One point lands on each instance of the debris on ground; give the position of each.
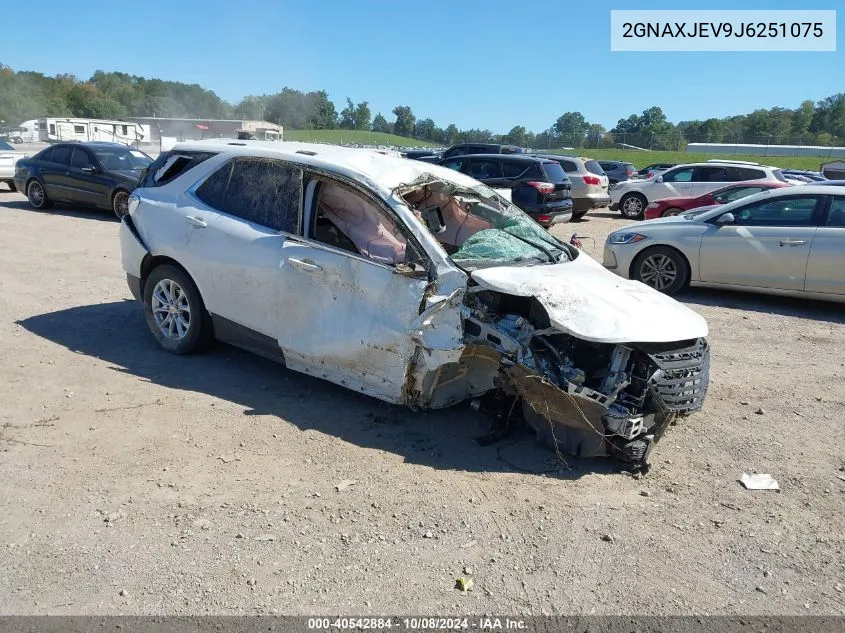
(760, 411)
(464, 584)
(343, 485)
(607, 538)
(468, 544)
(759, 481)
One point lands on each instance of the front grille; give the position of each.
(680, 383)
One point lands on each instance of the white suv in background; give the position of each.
(589, 183)
(694, 179)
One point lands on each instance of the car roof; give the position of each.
(381, 172)
(528, 158)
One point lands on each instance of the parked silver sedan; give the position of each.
(787, 241)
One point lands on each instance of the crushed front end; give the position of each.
(586, 398)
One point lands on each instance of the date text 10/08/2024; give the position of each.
(417, 624)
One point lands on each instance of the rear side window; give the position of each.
(608, 166)
(258, 190)
(746, 173)
(514, 169)
(712, 174)
(554, 172)
(46, 155)
(568, 166)
(593, 167)
(836, 215)
(61, 155)
(171, 165)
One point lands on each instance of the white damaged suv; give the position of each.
(409, 282)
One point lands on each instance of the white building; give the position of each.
(766, 150)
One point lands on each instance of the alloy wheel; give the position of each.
(658, 271)
(171, 309)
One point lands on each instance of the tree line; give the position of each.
(26, 95)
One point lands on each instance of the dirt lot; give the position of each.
(139, 482)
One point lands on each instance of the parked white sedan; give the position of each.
(9, 157)
(409, 282)
(783, 241)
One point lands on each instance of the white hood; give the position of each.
(587, 301)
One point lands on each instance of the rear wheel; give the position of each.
(633, 206)
(175, 311)
(671, 211)
(120, 204)
(36, 195)
(663, 268)
(578, 216)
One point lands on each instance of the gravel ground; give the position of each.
(142, 483)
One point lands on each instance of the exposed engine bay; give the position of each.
(583, 398)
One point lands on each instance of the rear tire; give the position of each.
(37, 196)
(632, 206)
(175, 312)
(663, 268)
(671, 211)
(577, 217)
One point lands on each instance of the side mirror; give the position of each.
(658, 179)
(726, 218)
(415, 269)
(433, 218)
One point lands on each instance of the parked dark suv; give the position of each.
(617, 170)
(94, 174)
(464, 149)
(539, 186)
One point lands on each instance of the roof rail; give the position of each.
(736, 162)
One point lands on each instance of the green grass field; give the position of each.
(362, 137)
(641, 159)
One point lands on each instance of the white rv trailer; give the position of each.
(52, 130)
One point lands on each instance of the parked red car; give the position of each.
(674, 206)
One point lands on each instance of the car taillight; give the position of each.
(541, 187)
(591, 180)
(649, 174)
(630, 172)
(544, 218)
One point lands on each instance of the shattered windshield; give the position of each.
(479, 228)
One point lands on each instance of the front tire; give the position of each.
(633, 206)
(175, 312)
(37, 196)
(120, 204)
(663, 268)
(671, 211)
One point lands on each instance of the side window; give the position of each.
(790, 211)
(679, 175)
(568, 166)
(836, 217)
(514, 169)
(46, 155)
(735, 194)
(265, 192)
(453, 164)
(61, 155)
(79, 129)
(53, 129)
(348, 220)
(484, 169)
(711, 174)
(451, 152)
(213, 191)
(80, 158)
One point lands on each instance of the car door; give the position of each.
(239, 217)
(85, 178)
(53, 173)
(709, 178)
(767, 246)
(675, 183)
(349, 310)
(826, 267)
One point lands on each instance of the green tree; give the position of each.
(405, 120)
(347, 116)
(380, 124)
(362, 116)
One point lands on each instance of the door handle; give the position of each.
(792, 242)
(197, 222)
(304, 265)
